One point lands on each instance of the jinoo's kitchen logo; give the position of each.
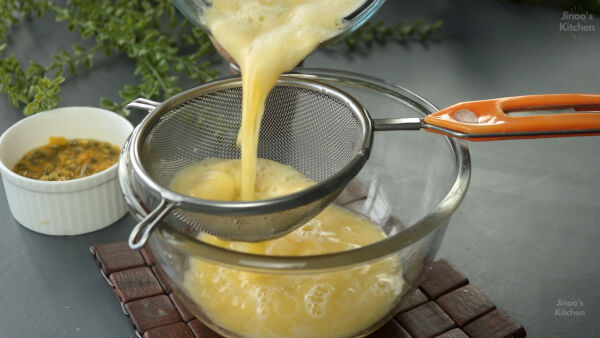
(569, 308)
(576, 21)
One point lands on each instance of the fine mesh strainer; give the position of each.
(318, 129)
(312, 127)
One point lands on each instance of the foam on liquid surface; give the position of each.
(335, 304)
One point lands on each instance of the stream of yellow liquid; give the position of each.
(249, 304)
(267, 38)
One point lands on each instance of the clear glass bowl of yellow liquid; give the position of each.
(346, 272)
(194, 9)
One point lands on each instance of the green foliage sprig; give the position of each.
(164, 46)
(379, 32)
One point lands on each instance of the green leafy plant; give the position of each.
(164, 46)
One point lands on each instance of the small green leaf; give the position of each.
(162, 66)
(72, 67)
(78, 49)
(88, 62)
(87, 33)
(108, 104)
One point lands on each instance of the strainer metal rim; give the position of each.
(436, 218)
(242, 208)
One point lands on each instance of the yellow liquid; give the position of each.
(335, 304)
(267, 38)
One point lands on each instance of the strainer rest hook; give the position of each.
(141, 232)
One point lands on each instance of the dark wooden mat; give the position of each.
(445, 305)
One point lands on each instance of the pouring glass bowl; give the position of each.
(410, 195)
(193, 9)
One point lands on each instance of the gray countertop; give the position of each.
(527, 233)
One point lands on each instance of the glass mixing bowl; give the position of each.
(193, 9)
(410, 186)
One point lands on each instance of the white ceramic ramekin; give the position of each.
(63, 207)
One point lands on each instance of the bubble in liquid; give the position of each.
(315, 310)
(263, 301)
(386, 285)
(262, 310)
(311, 229)
(221, 282)
(315, 299)
(262, 292)
(380, 288)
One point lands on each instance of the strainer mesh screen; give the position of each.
(316, 133)
(311, 131)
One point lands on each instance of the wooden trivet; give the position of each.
(445, 305)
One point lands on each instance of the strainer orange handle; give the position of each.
(488, 120)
